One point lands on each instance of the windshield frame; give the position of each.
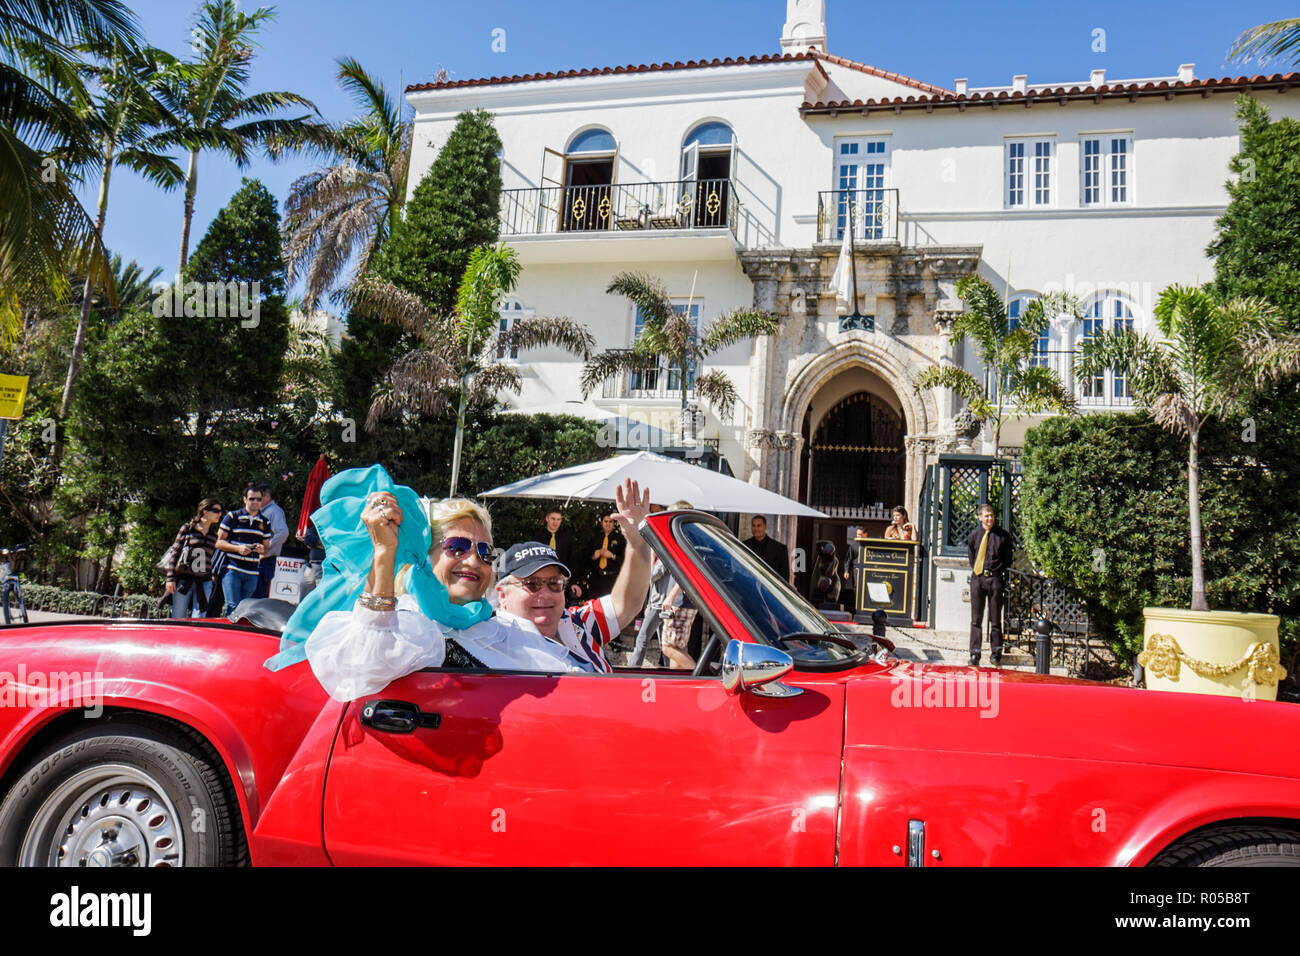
(793, 602)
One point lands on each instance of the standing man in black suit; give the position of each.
(849, 593)
(774, 553)
(561, 542)
(604, 558)
(989, 550)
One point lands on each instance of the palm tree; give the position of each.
(349, 208)
(212, 110)
(1216, 358)
(123, 115)
(671, 337)
(1267, 41)
(456, 352)
(44, 231)
(1007, 349)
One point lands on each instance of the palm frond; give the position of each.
(385, 301)
(955, 379)
(1267, 40)
(1038, 389)
(549, 332)
(603, 366)
(736, 326)
(715, 387)
(647, 294)
(492, 381)
(417, 382)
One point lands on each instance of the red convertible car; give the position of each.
(139, 743)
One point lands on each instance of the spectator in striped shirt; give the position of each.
(244, 536)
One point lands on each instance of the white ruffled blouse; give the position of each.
(359, 652)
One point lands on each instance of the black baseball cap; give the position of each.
(521, 560)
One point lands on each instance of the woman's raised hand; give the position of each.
(382, 516)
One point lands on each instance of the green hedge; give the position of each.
(1118, 483)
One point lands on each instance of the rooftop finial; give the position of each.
(805, 26)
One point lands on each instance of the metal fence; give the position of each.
(681, 204)
(873, 213)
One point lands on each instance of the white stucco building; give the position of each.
(732, 181)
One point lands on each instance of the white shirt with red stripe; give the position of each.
(585, 630)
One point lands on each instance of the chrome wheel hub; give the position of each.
(110, 815)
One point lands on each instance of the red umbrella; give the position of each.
(311, 500)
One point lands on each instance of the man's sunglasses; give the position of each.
(458, 547)
(534, 585)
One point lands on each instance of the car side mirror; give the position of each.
(757, 668)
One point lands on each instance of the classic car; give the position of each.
(142, 743)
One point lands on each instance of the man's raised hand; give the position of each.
(633, 505)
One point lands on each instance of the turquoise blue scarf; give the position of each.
(349, 552)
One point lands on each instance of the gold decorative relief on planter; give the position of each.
(1163, 658)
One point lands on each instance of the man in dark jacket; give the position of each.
(989, 551)
(774, 553)
(560, 540)
(604, 557)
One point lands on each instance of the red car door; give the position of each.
(641, 767)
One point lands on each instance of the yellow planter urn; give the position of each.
(1211, 652)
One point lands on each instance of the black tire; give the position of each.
(122, 792)
(1234, 846)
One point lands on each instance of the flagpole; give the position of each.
(853, 260)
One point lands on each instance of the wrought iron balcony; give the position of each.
(685, 204)
(1103, 391)
(660, 382)
(873, 213)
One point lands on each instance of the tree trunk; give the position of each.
(460, 435)
(79, 343)
(191, 187)
(1199, 602)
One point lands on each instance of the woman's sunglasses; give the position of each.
(458, 547)
(216, 508)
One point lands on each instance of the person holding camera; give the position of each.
(244, 536)
(189, 573)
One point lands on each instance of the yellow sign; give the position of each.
(13, 394)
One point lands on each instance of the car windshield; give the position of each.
(774, 613)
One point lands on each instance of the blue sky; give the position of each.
(407, 41)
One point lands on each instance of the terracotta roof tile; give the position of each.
(630, 68)
(876, 71)
(947, 98)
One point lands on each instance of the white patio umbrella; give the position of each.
(669, 480)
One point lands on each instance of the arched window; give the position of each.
(1015, 308)
(1106, 312)
(510, 312)
(590, 161)
(708, 162)
(593, 141)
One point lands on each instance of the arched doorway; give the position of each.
(856, 463)
(853, 468)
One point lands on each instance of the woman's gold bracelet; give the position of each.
(376, 603)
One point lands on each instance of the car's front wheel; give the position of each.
(124, 792)
(1234, 846)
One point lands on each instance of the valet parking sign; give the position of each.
(13, 395)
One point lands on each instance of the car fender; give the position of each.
(1225, 798)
